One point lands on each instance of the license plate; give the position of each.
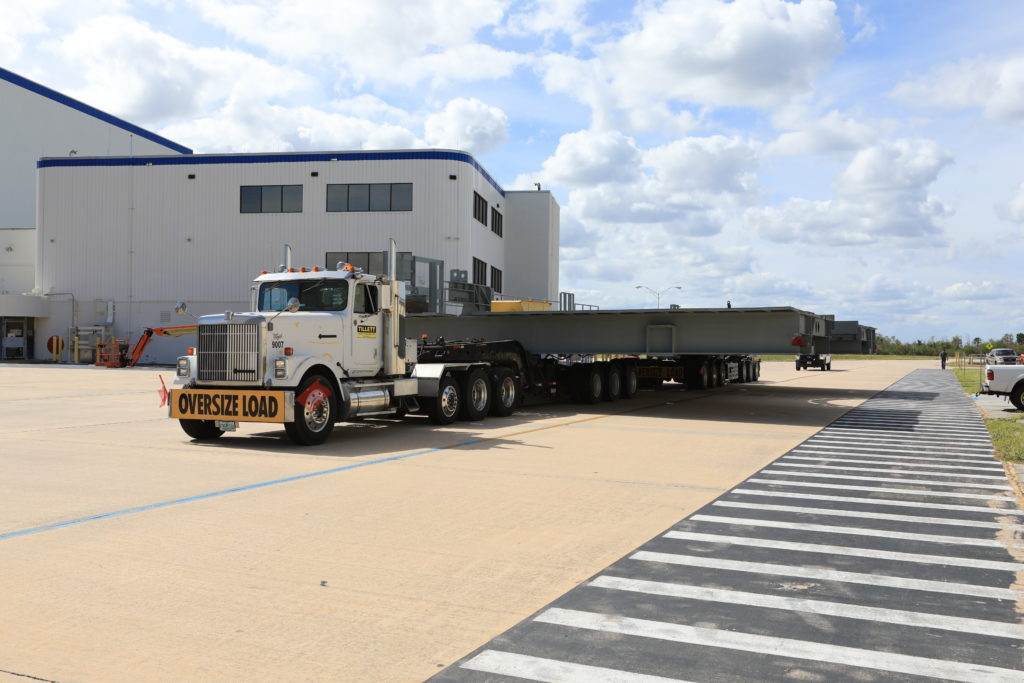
(232, 405)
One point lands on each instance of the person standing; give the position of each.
(942, 358)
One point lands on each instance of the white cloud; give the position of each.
(833, 132)
(28, 21)
(1013, 210)
(393, 41)
(764, 288)
(971, 291)
(994, 85)
(881, 195)
(151, 77)
(744, 53)
(467, 124)
(587, 158)
(549, 17)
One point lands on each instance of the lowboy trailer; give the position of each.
(323, 346)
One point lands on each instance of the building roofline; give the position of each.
(272, 158)
(51, 94)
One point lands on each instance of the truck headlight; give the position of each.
(280, 368)
(184, 369)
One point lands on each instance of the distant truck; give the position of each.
(323, 346)
(1005, 380)
(1001, 357)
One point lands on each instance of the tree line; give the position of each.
(932, 347)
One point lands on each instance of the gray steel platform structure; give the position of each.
(652, 332)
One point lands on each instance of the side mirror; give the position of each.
(293, 305)
(180, 308)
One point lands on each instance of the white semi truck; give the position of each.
(323, 346)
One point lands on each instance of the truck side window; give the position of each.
(366, 299)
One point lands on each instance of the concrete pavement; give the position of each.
(129, 552)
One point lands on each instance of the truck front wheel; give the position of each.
(316, 407)
(1017, 396)
(201, 430)
(444, 408)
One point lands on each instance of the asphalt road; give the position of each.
(128, 552)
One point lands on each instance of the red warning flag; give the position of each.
(162, 392)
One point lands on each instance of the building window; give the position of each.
(271, 199)
(479, 272)
(496, 222)
(370, 197)
(495, 279)
(479, 208)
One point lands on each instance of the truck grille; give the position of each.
(229, 352)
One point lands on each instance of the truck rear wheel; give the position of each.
(476, 394)
(613, 382)
(590, 383)
(630, 380)
(506, 392)
(444, 408)
(1017, 396)
(316, 407)
(201, 430)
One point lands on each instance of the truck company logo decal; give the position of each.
(239, 406)
(366, 330)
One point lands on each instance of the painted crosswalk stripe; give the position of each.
(837, 432)
(866, 426)
(894, 471)
(821, 607)
(880, 489)
(778, 647)
(860, 514)
(805, 572)
(882, 502)
(895, 463)
(893, 480)
(815, 449)
(852, 531)
(846, 550)
(553, 670)
(873, 449)
(940, 446)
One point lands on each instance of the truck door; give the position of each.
(366, 330)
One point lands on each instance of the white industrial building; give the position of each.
(129, 236)
(36, 122)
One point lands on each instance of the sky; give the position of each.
(860, 158)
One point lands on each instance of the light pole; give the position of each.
(658, 294)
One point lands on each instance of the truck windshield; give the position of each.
(313, 295)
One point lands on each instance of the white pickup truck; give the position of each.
(1005, 380)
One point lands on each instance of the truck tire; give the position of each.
(1017, 396)
(315, 415)
(613, 381)
(201, 430)
(756, 365)
(590, 383)
(506, 392)
(630, 380)
(444, 408)
(743, 372)
(476, 395)
(719, 374)
(798, 367)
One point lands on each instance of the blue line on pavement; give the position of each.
(217, 494)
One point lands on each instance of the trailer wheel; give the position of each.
(201, 430)
(590, 383)
(798, 367)
(719, 374)
(316, 408)
(506, 392)
(756, 366)
(630, 380)
(1017, 396)
(444, 408)
(476, 395)
(613, 383)
(829, 366)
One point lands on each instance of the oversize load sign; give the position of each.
(230, 404)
